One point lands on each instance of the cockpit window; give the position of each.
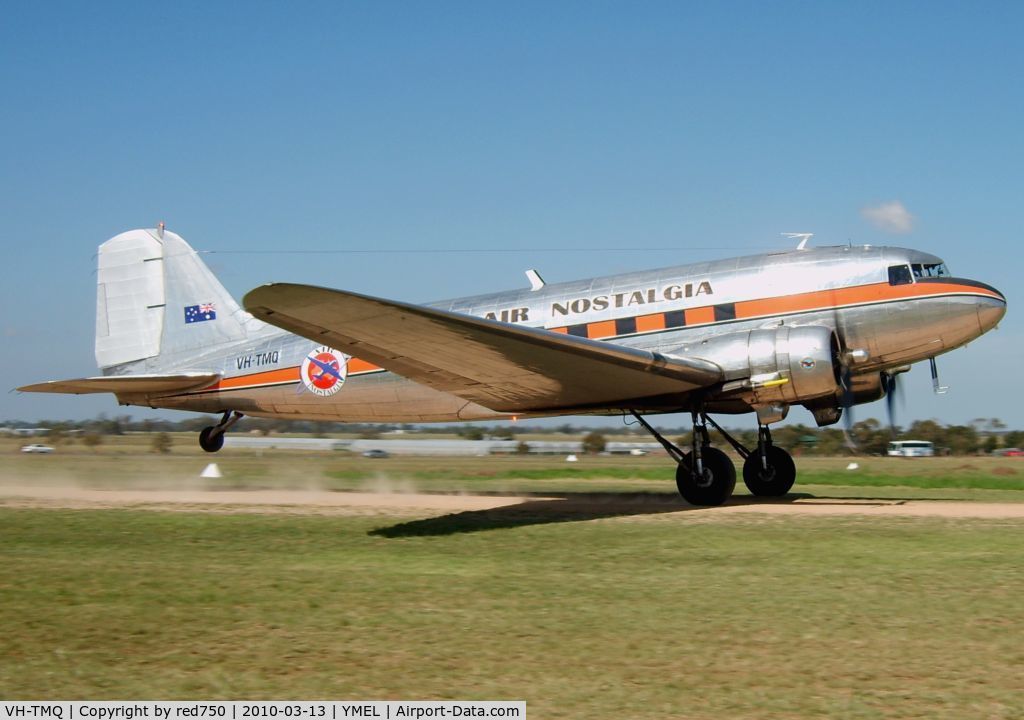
(900, 275)
(933, 270)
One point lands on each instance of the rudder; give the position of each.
(158, 302)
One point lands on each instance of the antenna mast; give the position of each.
(804, 237)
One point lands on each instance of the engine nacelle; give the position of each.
(864, 389)
(783, 364)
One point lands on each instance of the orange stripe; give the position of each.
(272, 377)
(261, 378)
(563, 330)
(919, 289)
(355, 365)
(854, 295)
(649, 323)
(876, 292)
(598, 330)
(699, 316)
(776, 306)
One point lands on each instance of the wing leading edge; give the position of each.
(504, 367)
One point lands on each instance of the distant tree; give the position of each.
(983, 425)
(870, 437)
(92, 440)
(472, 432)
(195, 424)
(594, 443)
(746, 437)
(151, 425)
(787, 436)
(523, 448)
(991, 443)
(926, 430)
(831, 441)
(56, 436)
(502, 433)
(1013, 439)
(369, 434)
(115, 426)
(961, 439)
(161, 443)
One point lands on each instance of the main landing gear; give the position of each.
(706, 475)
(769, 471)
(211, 439)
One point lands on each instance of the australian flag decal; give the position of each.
(199, 313)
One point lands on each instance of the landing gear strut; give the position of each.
(706, 475)
(211, 439)
(769, 471)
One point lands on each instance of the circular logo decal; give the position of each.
(807, 363)
(324, 371)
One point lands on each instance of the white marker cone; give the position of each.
(211, 471)
(571, 458)
(852, 466)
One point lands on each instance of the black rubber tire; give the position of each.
(717, 484)
(780, 476)
(209, 441)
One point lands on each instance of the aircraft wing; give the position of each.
(126, 384)
(504, 367)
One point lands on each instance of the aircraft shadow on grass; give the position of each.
(569, 507)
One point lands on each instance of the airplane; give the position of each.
(826, 328)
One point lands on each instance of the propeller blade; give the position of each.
(846, 382)
(890, 383)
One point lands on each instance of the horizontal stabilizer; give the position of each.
(127, 384)
(504, 367)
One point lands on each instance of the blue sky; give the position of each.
(589, 128)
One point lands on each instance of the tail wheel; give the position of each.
(210, 440)
(774, 478)
(712, 487)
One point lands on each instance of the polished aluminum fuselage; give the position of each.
(845, 289)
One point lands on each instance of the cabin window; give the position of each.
(932, 270)
(900, 275)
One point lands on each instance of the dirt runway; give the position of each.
(362, 503)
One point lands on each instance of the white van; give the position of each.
(911, 448)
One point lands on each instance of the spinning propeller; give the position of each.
(847, 401)
(845, 360)
(889, 380)
(893, 389)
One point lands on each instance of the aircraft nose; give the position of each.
(991, 310)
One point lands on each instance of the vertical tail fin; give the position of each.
(129, 299)
(156, 298)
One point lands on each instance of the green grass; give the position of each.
(583, 616)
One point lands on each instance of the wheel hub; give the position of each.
(704, 479)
